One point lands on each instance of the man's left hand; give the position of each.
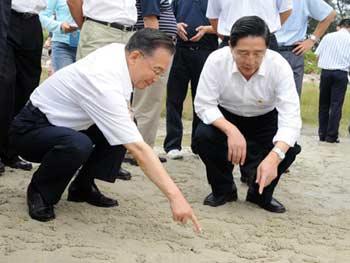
(267, 171)
(303, 47)
(201, 31)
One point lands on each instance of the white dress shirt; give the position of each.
(94, 90)
(113, 11)
(334, 51)
(271, 87)
(28, 6)
(229, 11)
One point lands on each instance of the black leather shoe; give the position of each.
(162, 159)
(329, 140)
(123, 174)
(274, 206)
(215, 201)
(92, 196)
(37, 207)
(2, 167)
(17, 163)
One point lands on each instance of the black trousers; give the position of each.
(20, 72)
(187, 67)
(332, 93)
(5, 9)
(62, 151)
(273, 45)
(211, 144)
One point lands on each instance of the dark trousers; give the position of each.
(20, 72)
(5, 9)
(332, 93)
(273, 45)
(187, 67)
(259, 131)
(62, 151)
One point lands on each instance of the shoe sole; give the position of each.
(229, 200)
(256, 203)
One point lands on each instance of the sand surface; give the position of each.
(316, 227)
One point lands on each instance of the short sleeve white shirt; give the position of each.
(94, 90)
(228, 12)
(222, 84)
(113, 11)
(28, 6)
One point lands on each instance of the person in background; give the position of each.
(20, 69)
(250, 116)
(224, 13)
(333, 55)
(56, 18)
(292, 44)
(196, 39)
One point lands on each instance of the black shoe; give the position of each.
(2, 167)
(123, 174)
(322, 139)
(92, 196)
(274, 206)
(329, 140)
(38, 208)
(215, 201)
(17, 163)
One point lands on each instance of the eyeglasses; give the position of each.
(158, 71)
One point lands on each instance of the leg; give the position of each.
(338, 90)
(324, 104)
(62, 55)
(176, 93)
(211, 145)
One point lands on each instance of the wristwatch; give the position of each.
(314, 38)
(279, 152)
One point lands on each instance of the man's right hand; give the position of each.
(182, 212)
(181, 31)
(237, 147)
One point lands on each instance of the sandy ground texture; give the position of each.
(316, 227)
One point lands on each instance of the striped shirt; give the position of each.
(334, 51)
(160, 8)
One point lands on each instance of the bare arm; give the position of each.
(214, 24)
(284, 16)
(151, 22)
(76, 10)
(321, 28)
(151, 166)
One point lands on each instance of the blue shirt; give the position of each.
(160, 8)
(294, 29)
(193, 13)
(51, 18)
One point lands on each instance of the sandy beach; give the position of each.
(316, 227)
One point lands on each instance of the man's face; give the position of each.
(145, 69)
(249, 53)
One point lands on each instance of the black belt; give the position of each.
(287, 48)
(114, 25)
(23, 15)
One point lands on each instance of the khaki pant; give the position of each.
(94, 35)
(147, 105)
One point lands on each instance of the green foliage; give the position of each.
(311, 63)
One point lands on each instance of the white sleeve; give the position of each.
(109, 111)
(288, 106)
(213, 9)
(208, 92)
(284, 5)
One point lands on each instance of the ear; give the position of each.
(133, 56)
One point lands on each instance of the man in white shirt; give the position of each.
(250, 116)
(78, 120)
(334, 59)
(20, 70)
(224, 13)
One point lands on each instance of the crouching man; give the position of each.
(250, 113)
(79, 118)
